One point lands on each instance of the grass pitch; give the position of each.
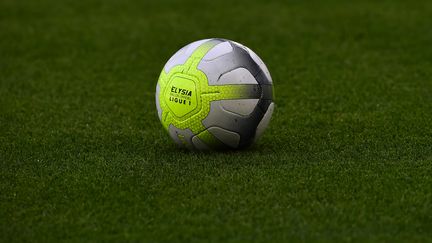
(347, 156)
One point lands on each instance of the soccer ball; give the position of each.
(214, 94)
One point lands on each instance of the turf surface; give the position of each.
(348, 155)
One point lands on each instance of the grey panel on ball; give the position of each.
(260, 63)
(258, 60)
(242, 107)
(264, 122)
(245, 126)
(239, 57)
(159, 110)
(181, 137)
(199, 144)
(229, 138)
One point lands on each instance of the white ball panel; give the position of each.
(264, 122)
(177, 59)
(242, 107)
(159, 110)
(219, 50)
(182, 55)
(237, 76)
(193, 46)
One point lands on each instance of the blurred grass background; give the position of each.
(347, 156)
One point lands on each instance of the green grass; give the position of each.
(347, 157)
